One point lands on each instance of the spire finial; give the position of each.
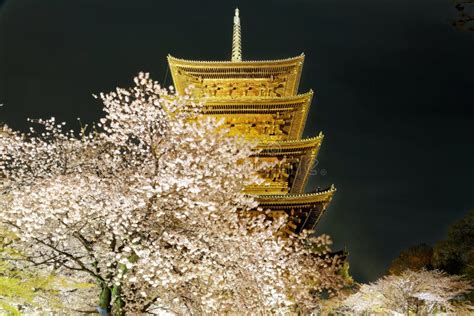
(236, 38)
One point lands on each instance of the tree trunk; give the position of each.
(111, 302)
(104, 301)
(118, 303)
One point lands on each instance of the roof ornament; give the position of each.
(236, 38)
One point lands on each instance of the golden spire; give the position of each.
(236, 38)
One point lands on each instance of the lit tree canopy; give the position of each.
(149, 204)
(26, 289)
(412, 293)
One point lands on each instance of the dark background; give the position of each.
(393, 80)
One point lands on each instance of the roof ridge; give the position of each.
(301, 56)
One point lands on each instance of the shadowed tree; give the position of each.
(455, 254)
(465, 17)
(415, 258)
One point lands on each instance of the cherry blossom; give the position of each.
(149, 204)
(412, 293)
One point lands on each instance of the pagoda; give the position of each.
(259, 100)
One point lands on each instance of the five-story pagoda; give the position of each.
(259, 100)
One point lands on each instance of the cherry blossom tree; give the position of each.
(412, 293)
(149, 204)
(25, 289)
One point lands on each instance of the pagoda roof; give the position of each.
(286, 147)
(302, 200)
(297, 105)
(304, 210)
(230, 63)
(304, 150)
(284, 73)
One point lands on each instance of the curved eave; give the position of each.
(298, 105)
(187, 72)
(307, 209)
(307, 143)
(306, 149)
(296, 200)
(230, 64)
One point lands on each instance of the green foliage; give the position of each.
(344, 272)
(23, 288)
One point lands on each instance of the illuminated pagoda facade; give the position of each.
(260, 101)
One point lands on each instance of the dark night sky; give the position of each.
(394, 90)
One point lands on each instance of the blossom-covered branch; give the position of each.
(150, 204)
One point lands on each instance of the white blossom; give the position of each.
(412, 292)
(150, 201)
